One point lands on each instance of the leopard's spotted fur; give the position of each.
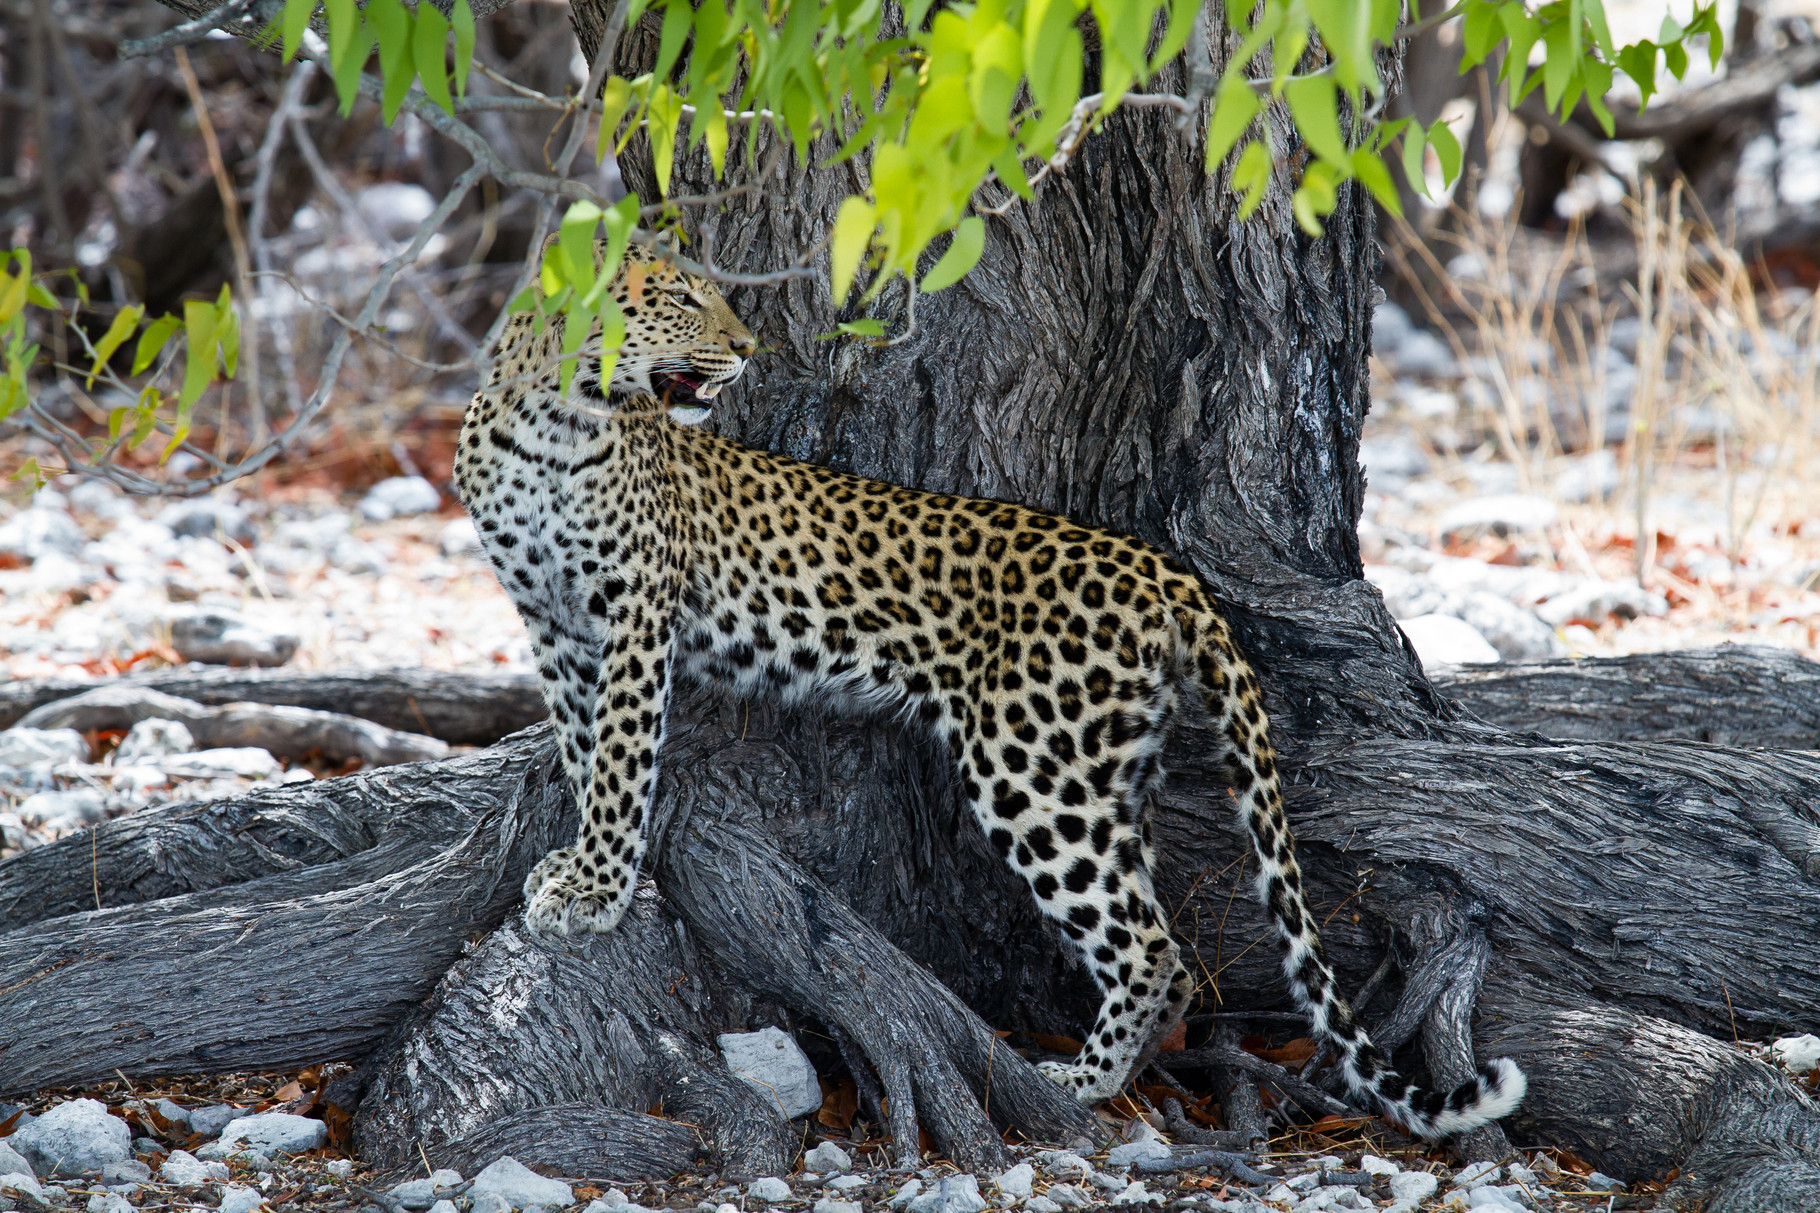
(1043, 653)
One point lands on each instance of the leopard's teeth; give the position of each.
(708, 391)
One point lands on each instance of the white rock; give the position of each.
(1522, 1176)
(235, 1199)
(1595, 600)
(101, 499)
(905, 1194)
(771, 1061)
(1600, 1182)
(846, 1183)
(1135, 1194)
(18, 1183)
(1069, 1196)
(1517, 633)
(340, 1168)
(127, 1170)
(1475, 1174)
(460, 538)
(1041, 1204)
(1065, 1164)
(109, 1202)
(210, 1120)
(64, 810)
(1413, 1186)
(184, 1170)
(490, 1202)
(520, 1185)
(769, 1189)
(27, 747)
(239, 762)
(1390, 325)
(828, 1157)
(76, 1136)
(12, 1162)
(174, 1112)
(1798, 1053)
(950, 1194)
(1497, 1200)
(1391, 459)
(421, 1193)
(828, 1204)
(273, 1132)
(1371, 1164)
(1422, 353)
(224, 638)
(1501, 514)
(1105, 1181)
(152, 739)
(1588, 477)
(394, 209)
(1444, 640)
(1136, 1152)
(39, 532)
(400, 497)
(1017, 1181)
(443, 1206)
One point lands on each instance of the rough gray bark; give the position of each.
(463, 708)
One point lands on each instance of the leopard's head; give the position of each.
(683, 343)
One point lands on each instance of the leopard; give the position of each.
(1046, 657)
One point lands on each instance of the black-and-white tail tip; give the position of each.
(1494, 1092)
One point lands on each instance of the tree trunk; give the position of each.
(1129, 354)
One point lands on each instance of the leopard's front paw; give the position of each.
(1086, 1083)
(564, 901)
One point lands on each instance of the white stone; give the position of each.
(109, 1202)
(274, 1132)
(238, 762)
(235, 1199)
(1136, 1152)
(443, 1206)
(1413, 1186)
(846, 1183)
(393, 209)
(460, 538)
(173, 1112)
(224, 638)
(125, 1171)
(152, 739)
(64, 810)
(210, 1120)
(1392, 459)
(1065, 1164)
(828, 1204)
(21, 1183)
(1017, 1181)
(520, 1185)
(1390, 325)
(75, 1136)
(1595, 600)
(208, 518)
(1588, 477)
(1498, 1200)
(340, 1168)
(1600, 1182)
(184, 1170)
(400, 497)
(1517, 633)
(906, 1194)
(12, 1162)
(1069, 1196)
(1135, 1194)
(27, 747)
(950, 1194)
(1475, 1174)
(490, 1202)
(1371, 1164)
(1444, 640)
(1041, 1204)
(1423, 353)
(36, 533)
(828, 1157)
(1797, 1053)
(421, 1193)
(772, 1062)
(769, 1189)
(1105, 1181)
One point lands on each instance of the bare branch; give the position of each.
(234, 11)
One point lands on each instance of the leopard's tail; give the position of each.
(1233, 701)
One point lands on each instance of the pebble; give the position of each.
(40, 532)
(240, 762)
(208, 518)
(1413, 1186)
(1371, 1164)
(1444, 640)
(12, 1162)
(340, 1168)
(772, 1063)
(421, 1193)
(63, 811)
(127, 1170)
(1136, 1152)
(75, 1136)
(1136, 1194)
(274, 1132)
(846, 1183)
(109, 1202)
(210, 1120)
(225, 638)
(22, 1183)
(1474, 1174)
(29, 747)
(1065, 1164)
(399, 497)
(490, 1202)
(443, 1206)
(769, 1189)
(173, 1112)
(828, 1204)
(1041, 1204)
(235, 1199)
(828, 1157)
(185, 1170)
(1497, 1200)
(520, 1186)
(1500, 514)
(1600, 1182)
(1595, 600)
(1106, 1182)
(950, 1194)
(1017, 1181)
(905, 1194)
(1070, 1196)
(148, 741)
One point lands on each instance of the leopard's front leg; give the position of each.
(587, 887)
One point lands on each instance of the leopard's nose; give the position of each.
(745, 347)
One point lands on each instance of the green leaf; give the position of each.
(1597, 75)
(429, 48)
(853, 225)
(662, 114)
(227, 330)
(855, 328)
(350, 41)
(1447, 150)
(297, 14)
(1345, 27)
(38, 296)
(461, 19)
(962, 255)
(620, 220)
(1561, 66)
(391, 25)
(1480, 33)
(575, 242)
(1251, 177)
(678, 18)
(151, 342)
(200, 359)
(1234, 107)
(126, 322)
(1368, 167)
(615, 100)
(1415, 163)
(1315, 106)
(1639, 63)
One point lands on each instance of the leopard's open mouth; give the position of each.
(686, 391)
